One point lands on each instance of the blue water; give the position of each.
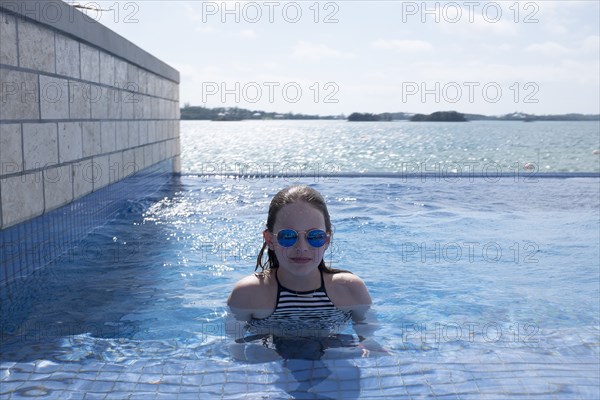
(482, 286)
(316, 147)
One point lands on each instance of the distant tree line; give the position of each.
(516, 116)
(440, 116)
(454, 116)
(356, 116)
(238, 114)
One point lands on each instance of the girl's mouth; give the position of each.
(300, 260)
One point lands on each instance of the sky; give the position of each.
(339, 57)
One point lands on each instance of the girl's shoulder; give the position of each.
(346, 279)
(347, 288)
(255, 288)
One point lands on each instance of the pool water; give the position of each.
(482, 288)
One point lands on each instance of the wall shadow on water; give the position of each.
(89, 289)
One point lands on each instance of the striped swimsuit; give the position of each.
(302, 313)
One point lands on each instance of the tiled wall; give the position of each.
(81, 108)
(30, 245)
(75, 117)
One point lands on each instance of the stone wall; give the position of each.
(81, 108)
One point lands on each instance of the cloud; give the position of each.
(480, 24)
(403, 45)
(548, 49)
(317, 51)
(556, 29)
(591, 44)
(205, 29)
(248, 34)
(588, 46)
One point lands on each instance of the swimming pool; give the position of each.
(484, 287)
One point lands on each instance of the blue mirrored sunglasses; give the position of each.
(289, 237)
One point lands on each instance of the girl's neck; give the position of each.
(306, 284)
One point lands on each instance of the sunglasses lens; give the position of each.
(287, 237)
(316, 238)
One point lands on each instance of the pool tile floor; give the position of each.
(401, 376)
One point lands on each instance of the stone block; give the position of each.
(22, 198)
(115, 167)
(129, 165)
(133, 77)
(162, 151)
(128, 100)
(36, 47)
(107, 69)
(54, 98)
(58, 187)
(90, 63)
(138, 153)
(105, 103)
(122, 133)
(79, 100)
(99, 102)
(159, 130)
(11, 149)
(170, 146)
(171, 129)
(67, 57)
(167, 109)
(173, 151)
(174, 94)
(143, 132)
(70, 146)
(177, 127)
(163, 86)
(155, 108)
(120, 73)
(138, 111)
(20, 95)
(156, 153)
(147, 107)
(92, 139)
(108, 131)
(176, 112)
(133, 133)
(101, 172)
(143, 81)
(40, 145)
(151, 83)
(82, 175)
(168, 88)
(168, 129)
(114, 103)
(148, 155)
(8, 38)
(151, 131)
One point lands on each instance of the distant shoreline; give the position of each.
(196, 113)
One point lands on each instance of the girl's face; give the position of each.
(301, 259)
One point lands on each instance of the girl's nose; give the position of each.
(302, 243)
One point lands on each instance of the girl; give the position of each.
(294, 293)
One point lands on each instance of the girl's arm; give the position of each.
(240, 299)
(251, 297)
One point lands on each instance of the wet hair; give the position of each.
(290, 195)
